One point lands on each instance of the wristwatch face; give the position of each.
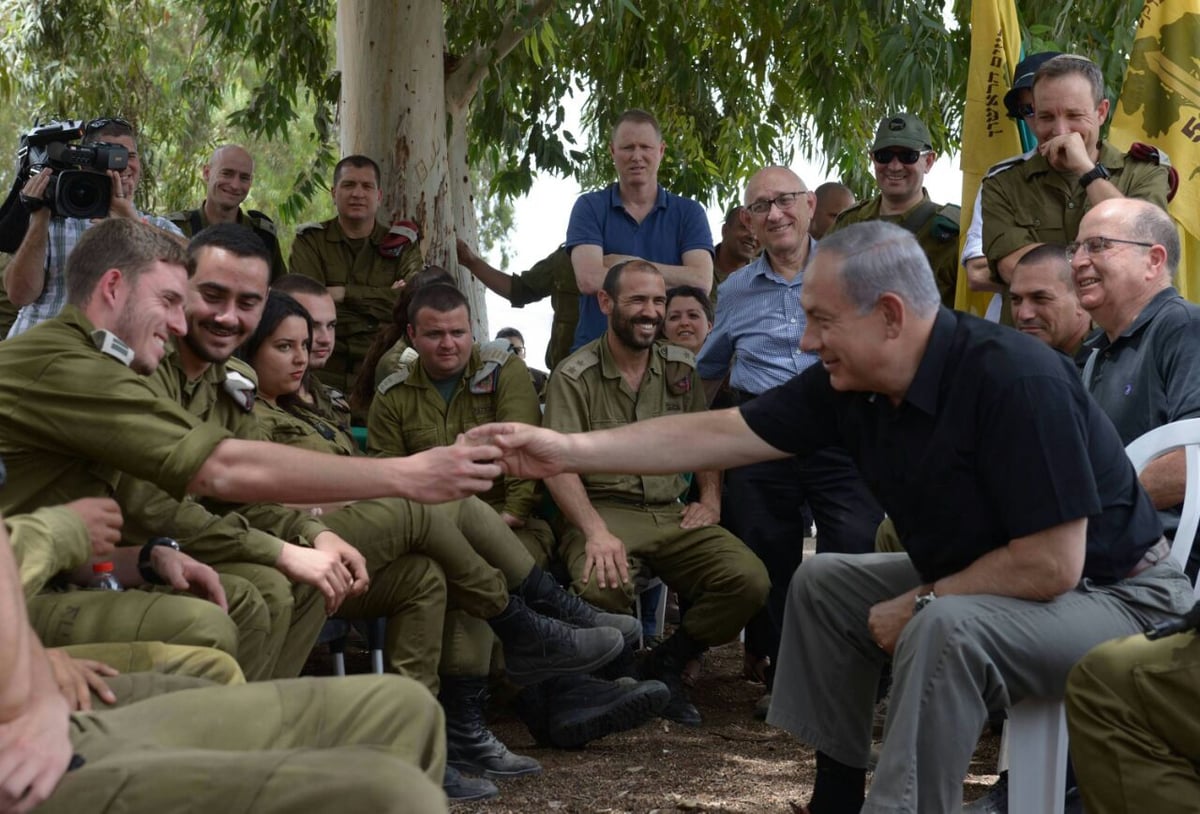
(923, 600)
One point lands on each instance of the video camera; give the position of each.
(80, 186)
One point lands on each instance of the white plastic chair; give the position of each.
(1037, 727)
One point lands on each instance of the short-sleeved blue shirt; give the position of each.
(675, 225)
(996, 439)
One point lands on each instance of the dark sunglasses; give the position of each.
(886, 155)
(96, 125)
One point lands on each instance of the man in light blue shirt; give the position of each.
(756, 340)
(635, 218)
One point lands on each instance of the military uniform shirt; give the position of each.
(73, 417)
(588, 392)
(192, 221)
(1029, 202)
(411, 416)
(553, 277)
(938, 237)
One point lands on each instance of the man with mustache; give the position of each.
(623, 377)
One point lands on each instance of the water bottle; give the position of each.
(103, 578)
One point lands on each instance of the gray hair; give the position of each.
(878, 258)
(1152, 225)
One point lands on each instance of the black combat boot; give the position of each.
(464, 789)
(666, 663)
(470, 745)
(543, 594)
(537, 648)
(573, 711)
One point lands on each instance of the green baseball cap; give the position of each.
(902, 130)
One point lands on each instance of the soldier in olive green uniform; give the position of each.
(553, 276)
(1135, 742)
(1042, 196)
(360, 260)
(409, 414)
(228, 176)
(902, 154)
(642, 517)
(1026, 202)
(191, 221)
(76, 418)
(53, 540)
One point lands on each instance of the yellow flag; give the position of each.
(1160, 105)
(989, 136)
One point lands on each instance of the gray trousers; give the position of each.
(958, 659)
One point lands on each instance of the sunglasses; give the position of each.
(96, 125)
(886, 155)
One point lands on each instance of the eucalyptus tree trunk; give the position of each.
(393, 109)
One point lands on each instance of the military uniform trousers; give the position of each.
(1135, 737)
(723, 581)
(151, 659)
(956, 661)
(297, 613)
(152, 615)
(361, 743)
(420, 564)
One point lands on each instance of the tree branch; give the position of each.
(463, 80)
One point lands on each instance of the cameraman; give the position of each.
(34, 278)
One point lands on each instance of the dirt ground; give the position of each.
(732, 763)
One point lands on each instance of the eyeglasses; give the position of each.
(519, 351)
(1095, 245)
(95, 125)
(1024, 111)
(784, 202)
(885, 155)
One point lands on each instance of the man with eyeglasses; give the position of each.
(634, 219)
(756, 340)
(1143, 368)
(901, 155)
(34, 278)
(1043, 198)
(516, 344)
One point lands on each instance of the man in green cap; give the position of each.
(901, 155)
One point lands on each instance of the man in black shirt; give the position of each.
(1028, 537)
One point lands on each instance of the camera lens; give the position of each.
(83, 194)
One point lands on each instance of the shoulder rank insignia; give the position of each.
(494, 355)
(402, 234)
(241, 389)
(311, 226)
(111, 345)
(680, 365)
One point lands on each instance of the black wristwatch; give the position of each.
(1098, 171)
(144, 567)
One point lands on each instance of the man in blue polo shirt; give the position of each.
(633, 219)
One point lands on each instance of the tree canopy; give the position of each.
(735, 84)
